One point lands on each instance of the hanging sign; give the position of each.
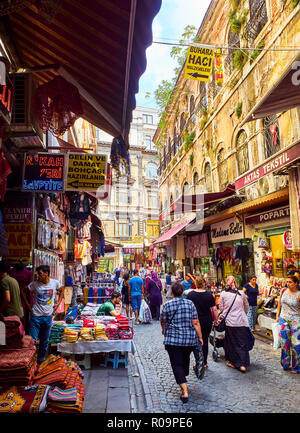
(227, 230)
(20, 241)
(86, 172)
(218, 62)
(287, 239)
(199, 64)
(268, 215)
(43, 172)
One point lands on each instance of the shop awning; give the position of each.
(283, 96)
(193, 202)
(172, 232)
(98, 45)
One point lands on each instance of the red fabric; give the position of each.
(57, 105)
(23, 399)
(274, 132)
(5, 170)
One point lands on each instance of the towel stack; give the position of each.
(99, 332)
(86, 334)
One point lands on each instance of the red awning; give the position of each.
(97, 45)
(172, 232)
(193, 202)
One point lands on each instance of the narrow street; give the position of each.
(222, 390)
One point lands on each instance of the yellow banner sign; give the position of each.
(199, 64)
(86, 172)
(20, 241)
(219, 73)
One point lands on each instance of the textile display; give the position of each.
(24, 399)
(196, 246)
(294, 192)
(89, 347)
(18, 366)
(180, 255)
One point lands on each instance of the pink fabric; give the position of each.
(172, 232)
(237, 315)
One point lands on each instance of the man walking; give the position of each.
(136, 294)
(10, 298)
(44, 290)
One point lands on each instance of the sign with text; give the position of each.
(227, 230)
(20, 241)
(199, 64)
(86, 172)
(280, 160)
(43, 172)
(268, 216)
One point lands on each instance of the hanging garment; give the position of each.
(180, 255)
(80, 249)
(82, 208)
(5, 170)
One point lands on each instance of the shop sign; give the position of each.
(268, 216)
(43, 172)
(6, 100)
(199, 64)
(227, 230)
(18, 214)
(283, 158)
(287, 239)
(86, 172)
(20, 242)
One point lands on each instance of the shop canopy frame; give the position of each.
(97, 45)
(172, 232)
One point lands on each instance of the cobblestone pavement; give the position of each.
(265, 388)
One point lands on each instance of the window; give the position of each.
(196, 184)
(258, 19)
(151, 170)
(175, 141)
(271, 135)
(202, 97)
(123, 197)
(148, 118)
(185, 189)
(233, 42)
(122, 229)
(148, 141)
(222, 170)
(182, 122)
(152, 200)
(207, 177)
(242, 152)
(192, 105)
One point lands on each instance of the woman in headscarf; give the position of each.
(155, 297)
(237, 325)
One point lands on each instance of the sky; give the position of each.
(169, 23)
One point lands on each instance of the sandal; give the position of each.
(230, 365)
(242, 369)
(184, 399)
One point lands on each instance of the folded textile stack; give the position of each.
(86, 334)
(105, 319)
(14, 330)
(23, 399)
(112, 331)
(18, 366)
(89, 310)
(126, 334)
(99, 332)
(56, 333)
(69, 335)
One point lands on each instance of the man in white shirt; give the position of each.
(44, 290)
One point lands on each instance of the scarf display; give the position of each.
(24, 399)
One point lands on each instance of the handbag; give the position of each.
(222, 325)
(250, 339)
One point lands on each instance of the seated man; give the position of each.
(108, 307)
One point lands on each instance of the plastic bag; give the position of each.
(276, 335)
(145, 313)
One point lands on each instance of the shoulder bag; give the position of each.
(221, 326)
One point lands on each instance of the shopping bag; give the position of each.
(145, 313)
(276, 335)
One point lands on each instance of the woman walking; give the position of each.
(181, 329)
(155, 298)
(204, 302)
(251, 291)
(288, 317)
(237, 326)
(125, 295)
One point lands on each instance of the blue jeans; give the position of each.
(40, 327)
(136, 301)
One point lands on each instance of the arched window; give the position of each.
(233, 41)
(182, 122)
(185, 189)
(258, 19)
(242, 152)
(207, 177)
(175, 141)
(151, 170)
(192, 105)
(171, 202)
(196, 183)
(222, 170)
(271, 135)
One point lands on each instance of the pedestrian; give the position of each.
(204, 302)
(24, 277)
(44, 290)
(237, 325)
(126, 302)
(187, 285)
(136, 294)
(251, 291)
(108, 307)
(169, 285)
(10, 296)
(181, 330)
(120, 281)
(288, 317)
(155, 297)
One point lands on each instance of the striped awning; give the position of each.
(97, 45)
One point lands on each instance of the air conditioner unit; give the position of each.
(23, 124)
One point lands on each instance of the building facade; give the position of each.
(208, 142)
(130, 214)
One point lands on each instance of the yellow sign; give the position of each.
(152, 228)
(199, 64)
(20, 240)
(86, 172)
(219, 73)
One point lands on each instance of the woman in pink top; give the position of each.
(237, 325)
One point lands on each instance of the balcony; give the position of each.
(258, 19)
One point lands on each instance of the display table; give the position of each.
(89, 347)
(265, 322)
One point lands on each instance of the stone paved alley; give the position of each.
(264, 388)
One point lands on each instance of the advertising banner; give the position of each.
(199, 63)
(86, 172)
(43, 172)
